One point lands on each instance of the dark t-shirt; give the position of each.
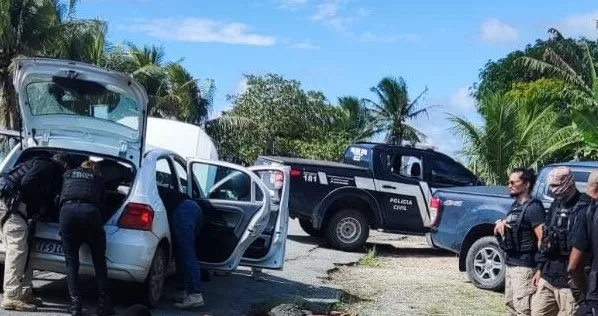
(554, 268)
(41, 183)
(585, 233)
(534, 216)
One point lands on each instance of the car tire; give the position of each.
(154, 282)
(348, 230)
(485, 264)
(309, 229)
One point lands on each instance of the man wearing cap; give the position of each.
(553, 291)
(585, 246)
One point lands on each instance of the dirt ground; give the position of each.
(407, 277)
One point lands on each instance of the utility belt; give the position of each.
(77, 201)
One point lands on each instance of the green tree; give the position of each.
(173, 92)
(514, 133)
(394, 107)
(275, 116)
(42, 28)
(500, 75)
(574, 66)
(356, 118)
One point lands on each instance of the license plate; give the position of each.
(48, 246)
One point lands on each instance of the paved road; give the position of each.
(305, 267)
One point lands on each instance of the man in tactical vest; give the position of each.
(554, 294)
(81, 202)
(585, 245)
(23, 192)
(518, 235)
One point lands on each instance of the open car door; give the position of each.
(236, 205)
(268, 250)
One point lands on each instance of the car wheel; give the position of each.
(306, 226)
(154, 282)
(485, 264)
(348, 230)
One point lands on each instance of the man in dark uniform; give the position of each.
(518, 235)
(554, 294)
(585, 245)
(24, 190)
(81, 221)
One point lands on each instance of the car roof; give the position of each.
(579, 164)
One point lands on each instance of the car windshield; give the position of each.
(82, 98)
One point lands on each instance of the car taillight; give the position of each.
(278, 178)
(295, 173)
(435, 207)
(137, 216)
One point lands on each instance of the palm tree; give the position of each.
(357, 119)
(394, 108)
(573, 64)
(515, 133)
(41, 28)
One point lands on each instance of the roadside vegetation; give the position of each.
(537, 105)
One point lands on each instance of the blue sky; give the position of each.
(343, 47)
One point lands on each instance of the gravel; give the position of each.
(412, 279)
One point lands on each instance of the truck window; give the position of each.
(450, 173)
(358, 156)
(404, 165)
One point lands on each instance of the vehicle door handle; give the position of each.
(389, 187)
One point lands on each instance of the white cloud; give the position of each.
(290, 4)
(327, 12)
(202, 30)
(306, 45)
(462, 100)
(373, 37)
(495, 31)
(580, 25)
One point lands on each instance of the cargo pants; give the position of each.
(550, 300)
(18, 283)
(518, 290)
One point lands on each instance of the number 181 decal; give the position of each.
(310, 177)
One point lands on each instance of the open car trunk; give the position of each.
(117, 177)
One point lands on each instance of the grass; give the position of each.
(434, 311)
(370, 259)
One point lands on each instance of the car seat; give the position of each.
(416, 170)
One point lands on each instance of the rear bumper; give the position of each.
(129, 255)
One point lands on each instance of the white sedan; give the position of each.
(80, 109)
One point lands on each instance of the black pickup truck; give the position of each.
(375, 186)
(463, 222)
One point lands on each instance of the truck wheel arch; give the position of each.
(352, 197)
(475, 233)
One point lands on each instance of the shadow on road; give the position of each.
(236, 294)
(386, 250)
(382, 249)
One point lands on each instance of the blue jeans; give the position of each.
(187, 219)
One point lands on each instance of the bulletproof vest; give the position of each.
(83, 185)
(517, 239)
(10, 181)
(554, 239)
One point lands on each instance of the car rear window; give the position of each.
(358, 156)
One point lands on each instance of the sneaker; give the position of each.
(191, 301)
(178, 296)
(17, 305)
